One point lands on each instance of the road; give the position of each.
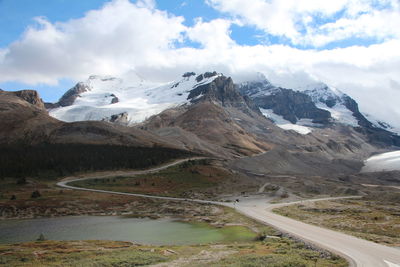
(358, 252)
(64, 183)
(377, 185)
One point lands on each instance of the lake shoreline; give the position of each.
(165, 231)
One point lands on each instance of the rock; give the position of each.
(199, 78)
(169, 252)
(72, 94)
(32, 97)
(188, 74)
(114, 99)
(377, 136)
(292, 105)
(121, 118)
(210, 74)
(48, 105)
(223, 91)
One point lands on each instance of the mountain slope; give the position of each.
(100, 98)
(25, 121)
(214, 117)
(315, 106)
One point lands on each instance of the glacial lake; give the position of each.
(143, 231)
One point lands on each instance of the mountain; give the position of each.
(102, 97)
(131, 101)
(24, 120)
(218, 115)
(312, 130)
(314, 106)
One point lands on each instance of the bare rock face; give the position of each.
(69, 97)
(114, 99)
(292, 105)
(48, 105)
(32, 97)
(121, 118)
(188, 74)
(223, 91)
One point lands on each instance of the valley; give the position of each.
(209, 152)
(210, 133)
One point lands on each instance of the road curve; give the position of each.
(358, 252)
(65, 181)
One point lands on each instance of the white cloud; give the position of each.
(212, 35)
(122, 37)
(112, 39)
(317, 23)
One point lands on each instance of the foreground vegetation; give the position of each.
(269, 246)
(375, 217)
(57, 160)
(270, 252)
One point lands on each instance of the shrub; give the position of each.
(35, 194)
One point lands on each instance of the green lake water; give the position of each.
(144, 231)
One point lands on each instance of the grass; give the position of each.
(237, 233)
(188, 179)
(78, 253)
(372, 220)
(230, 233)
(280, 252)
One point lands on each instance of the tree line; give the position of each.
(55, 160)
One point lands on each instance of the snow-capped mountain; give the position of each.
(381, 124)
(307, 107)
(332, 100)
(132, 100)
(105, 98)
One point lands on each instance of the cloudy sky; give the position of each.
(353, 45)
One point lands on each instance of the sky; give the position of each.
(354, 45)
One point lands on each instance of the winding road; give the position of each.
(358, 252)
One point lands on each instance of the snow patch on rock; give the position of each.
(287, 125)
(380, 124)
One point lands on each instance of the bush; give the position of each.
(41, 238)
(21, 181)
(35, 194)
(261, 236)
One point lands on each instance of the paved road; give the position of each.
(358, 252)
